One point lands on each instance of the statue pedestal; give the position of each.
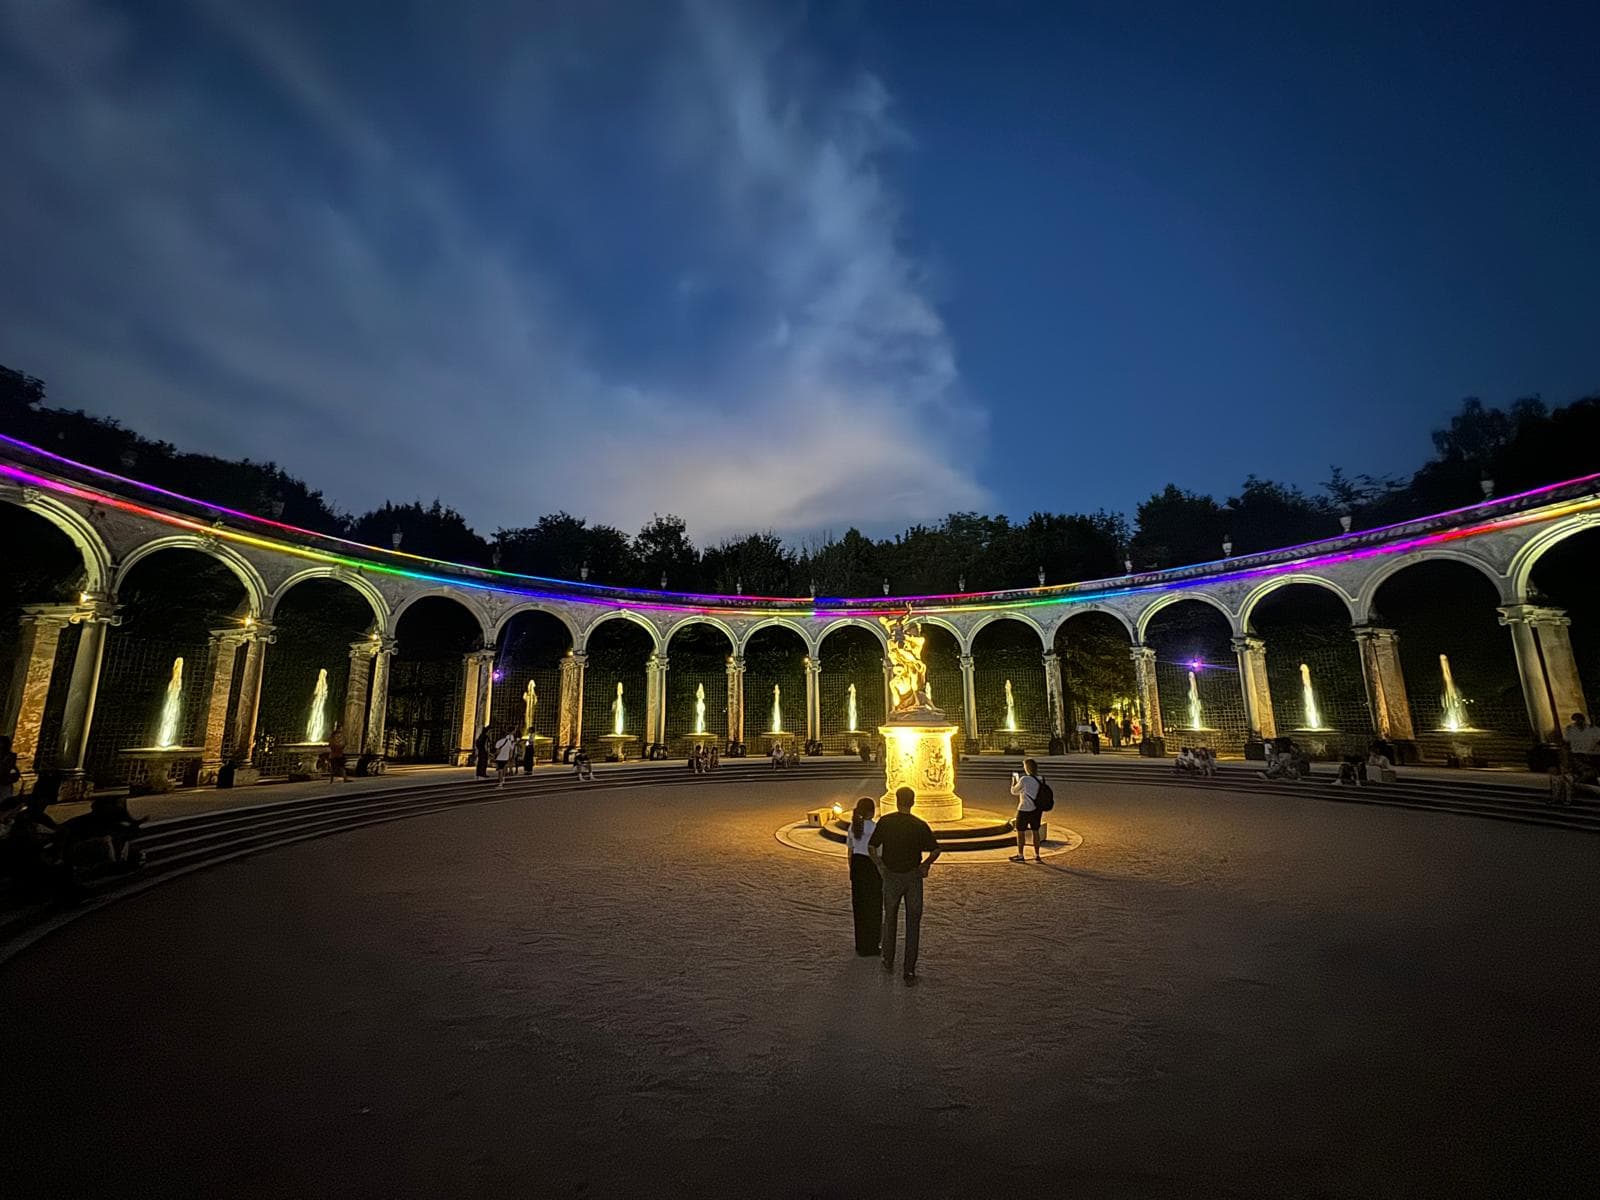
(617, 745)
(919, 756)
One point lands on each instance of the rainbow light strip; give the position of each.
(714, 604)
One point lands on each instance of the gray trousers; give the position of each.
(898, 885)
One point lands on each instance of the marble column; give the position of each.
(1144, 675)
(1055, 698)
(969, 700)
(1551, 688)
(813, 698)
(29, 690)
(378, 708)
(222, 653)
(888, 695)
(477, 669)
(569, 716)
(358, 684)
(1252, 654)
(736, 698)
(95, 615)
(260, 636)
(655, 700)
(1386, 683)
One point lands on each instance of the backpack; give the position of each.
(1045, 800)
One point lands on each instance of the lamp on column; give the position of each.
(494, 556)
(1127, 566)
(583, 571)
(961, 583)
(1486, 483)
(813, 589)
(738, 586)
(885, 585)
(663, 581)
(396, 538)
(1345, 521)
(1227, 546)
(1041, 576)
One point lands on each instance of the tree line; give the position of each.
(1483, 449)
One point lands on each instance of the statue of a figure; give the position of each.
(908, 676)
(618, 713)
(699, 708)
(530, 701)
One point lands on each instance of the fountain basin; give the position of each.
(158, 763)
(617, 745)
(308, 759)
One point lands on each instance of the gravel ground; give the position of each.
(645, 994)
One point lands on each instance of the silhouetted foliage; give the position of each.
(1482, 449)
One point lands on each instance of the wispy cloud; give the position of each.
(190, 263)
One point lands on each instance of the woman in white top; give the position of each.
(866, 884)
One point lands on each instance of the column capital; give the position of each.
(814, 664)
(1375, 633)
(656, 662)
(1248, 643)
(373, 645)
(231, 635)
(1142, 653)
(484, 655)
(573, 659)
(95, 609)
(58, 615)
(968, 662)
(1533, 614)
(735, 663)
(1051, 658)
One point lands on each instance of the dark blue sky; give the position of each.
(798, 266)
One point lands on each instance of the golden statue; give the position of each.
(908, 675)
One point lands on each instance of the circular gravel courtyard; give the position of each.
(646, 994)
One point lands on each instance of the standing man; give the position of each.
(897, 847)
(1025, 788)
(504, 750)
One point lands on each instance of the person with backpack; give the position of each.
(1034, 799)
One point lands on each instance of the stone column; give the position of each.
(736, 698)
(221, 654)
(1252, 652)
(655, 700)
(96, 615)
(888, 695)
(1386, 683)
(1550, 685)
(1055, 698)
(23, 717)
(359, 681)
(969, 700)
(245, 712)
(476, 671)
(813, 698)
(569, 716)
(1144, 675)
(378, 710)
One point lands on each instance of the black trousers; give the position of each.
(866, 901)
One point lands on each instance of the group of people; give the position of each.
(1196, 760)
(1579, 767)
(506, 750)
(890, 857)
(45, 859)
(703, 758)
(782, 755)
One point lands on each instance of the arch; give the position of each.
(715, 622)
(1080, 610)
(779, 622)
(1146, 615)
(255, 588)
(410, 602)
(1260, 593)
(1526, 558)
(516, 610)
(623, 614)
(1386, 572)
(858, 623)
(97, 563)
(988, 619)
(381, 616)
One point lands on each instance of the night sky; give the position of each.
(797, 266)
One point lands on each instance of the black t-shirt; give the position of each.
(903, 838)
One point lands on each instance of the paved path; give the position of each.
(643, 993)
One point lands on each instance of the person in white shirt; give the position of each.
(1583, 742)
(504, 750)
(1025, 788)
(866, 883)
